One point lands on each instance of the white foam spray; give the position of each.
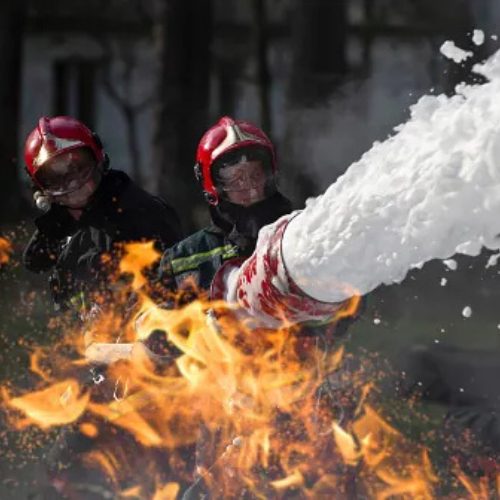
(451, 51)
(430, 191)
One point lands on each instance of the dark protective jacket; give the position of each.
(193, 262)
(119, 212)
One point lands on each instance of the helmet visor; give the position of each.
(66, 172)
(244, 177)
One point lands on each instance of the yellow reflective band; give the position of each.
(187, 263)
(78, 300)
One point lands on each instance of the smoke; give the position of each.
(326, 140)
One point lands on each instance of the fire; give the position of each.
(59, 404)
(258, 407)
(138, 256)
(5, 251)
(167, 492)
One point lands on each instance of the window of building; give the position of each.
(75, 85)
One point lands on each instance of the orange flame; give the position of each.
(167, 492)
(138, 256)
(252, 400)
(5, 251)
(59, 404)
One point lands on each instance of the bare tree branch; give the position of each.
(123, 98)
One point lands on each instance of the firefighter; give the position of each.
(89, 208)
(236, 167)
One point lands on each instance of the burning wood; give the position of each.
(107, 354)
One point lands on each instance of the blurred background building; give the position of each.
(324, 78)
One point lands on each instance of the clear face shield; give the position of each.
(71, 177)
(245, 177)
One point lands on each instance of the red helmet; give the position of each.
(58, 135)
(227, 135)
